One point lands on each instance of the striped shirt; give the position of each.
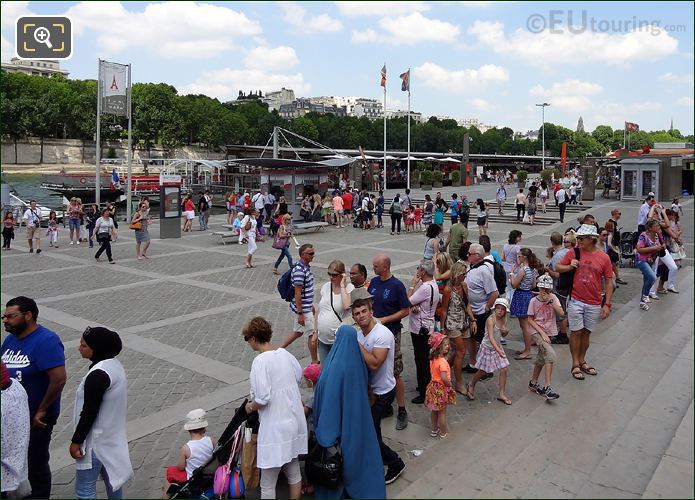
(527, 280)
(302, 276)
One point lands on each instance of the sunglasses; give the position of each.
(333, 275)
(567, 241)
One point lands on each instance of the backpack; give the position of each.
(499, 274)
(370, 205)
(564, 282)
(285, 286)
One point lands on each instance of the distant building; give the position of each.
(474, 122)
(336, 100)
(371, 108)
(531, 135)
(580, 125)
(302, 106)
(276, 99)
(40, 67)
(414, 115)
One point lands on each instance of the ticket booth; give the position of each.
(169, 206)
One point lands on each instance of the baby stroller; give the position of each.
(202, 478)
(627, 248)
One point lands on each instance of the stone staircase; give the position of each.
(626, 433)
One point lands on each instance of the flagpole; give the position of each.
(97, 177)
(384, 186)
(408, 183)
(624, 135)
(129, 193)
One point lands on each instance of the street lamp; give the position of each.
(542, 106)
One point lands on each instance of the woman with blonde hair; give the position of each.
(333, 306)
(282, 242)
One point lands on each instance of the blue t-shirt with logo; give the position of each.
(389, 297)
(28, 360)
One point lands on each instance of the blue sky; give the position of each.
(487, 60)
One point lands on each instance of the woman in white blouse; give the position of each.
(333, 306)
(282, 435)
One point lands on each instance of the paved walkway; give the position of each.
(180, 314)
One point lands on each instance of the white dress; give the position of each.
(282, 436)
(15, 436)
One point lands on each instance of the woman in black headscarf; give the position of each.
(100, 442)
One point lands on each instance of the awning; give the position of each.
(448, 158)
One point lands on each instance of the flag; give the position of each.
(405, 86)
(631, 127)
(383, 76)
(114, 176)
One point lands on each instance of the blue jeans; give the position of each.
(285, 252)
(201, 221)
(86, 481)
(324, 350)
(648, 275)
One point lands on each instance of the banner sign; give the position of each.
(114, 88)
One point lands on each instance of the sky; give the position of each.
(609, 62)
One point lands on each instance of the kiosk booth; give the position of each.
(169, 206)
(641, 176)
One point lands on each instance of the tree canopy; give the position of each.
(60, 108)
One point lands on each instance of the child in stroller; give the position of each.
(200, 481)
(628, 241)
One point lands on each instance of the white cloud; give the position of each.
(408, 30)
(169, 29)
(13, 10)
(568, 95)
(380, 9)
(296, 15)
(482, 4)
(464, 80)
(670, 77)
(545, 49)
(225, 83)
(271, 58)
(7, 49)
(686, 101)
(482, 105)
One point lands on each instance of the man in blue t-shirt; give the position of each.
(34, 355)
(391, 304)
(454, 207)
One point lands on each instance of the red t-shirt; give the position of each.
(593, 268)
(188, 206)
(347, 201)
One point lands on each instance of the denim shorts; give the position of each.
(74, 224)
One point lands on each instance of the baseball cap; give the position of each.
(545, 281)
(195, 419)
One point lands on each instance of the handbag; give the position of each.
(228, 476)
(247, 226)
(136, 226)
(249, 470)
(102, 237)
(280, 243)
(324, 466)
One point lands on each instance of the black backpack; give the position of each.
(564, 282)
(498, 272)
(370, 205)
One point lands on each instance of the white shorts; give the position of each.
(308, 323)
(582, 316)
(189, 214)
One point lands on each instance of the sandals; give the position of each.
(588, 369)
(468, 393)
(505, 400)
(434, 433)
(518, 357)
(577, 373)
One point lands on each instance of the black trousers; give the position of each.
(562, 207)
(520, 211)
(421, 351)
(105, 247)
(384, 402)
(396, 221)
(39, 470)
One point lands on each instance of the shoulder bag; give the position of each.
(136, 225)
(324, 466)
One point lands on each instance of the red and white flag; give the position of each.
(383, 76)
(631, 127)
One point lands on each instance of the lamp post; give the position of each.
(542, 106)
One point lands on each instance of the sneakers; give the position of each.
(645, 299)
(533, 387)
(417, 400)
(38, 250)
(72, 242)
(78, 242)
(548, 393)
(487, 376)
(401, 419)
(673, 289)
(394, 472)
(469, 369)
(654, 296)
(644, 306)
(559, 339)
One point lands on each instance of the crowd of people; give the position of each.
(458, 306)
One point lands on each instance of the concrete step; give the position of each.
(554, 450)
